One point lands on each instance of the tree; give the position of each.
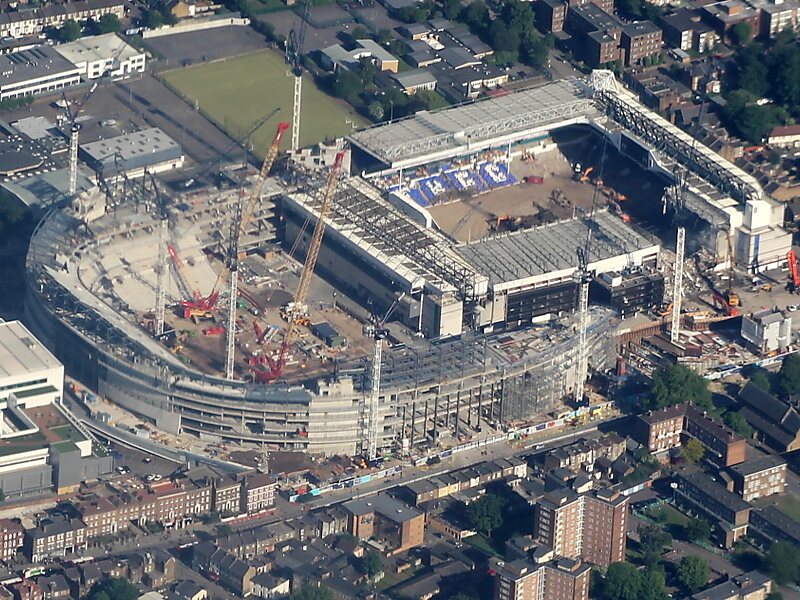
(371, 563)
(741, 33)
(476, 16)
(534, 50)
(789, 375)
(750, 74)
(760, 379)
(375, 111)
(116, 589)
(675, 384)
(622, 582)
(738, 423)
(653, 541)
(652, 584)
(486, 514)
(774, 596)
(692, 572)
(451, 8)
(693, 451)
(785, 74)
(697, 530)
(517, 16)
(782, 562)
(348, 85)
(502, 38)
(70, 31)
(108, 24)
(154, 19)
(312, 592)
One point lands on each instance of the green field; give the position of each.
(237, 92)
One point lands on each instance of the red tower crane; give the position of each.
(298, 307)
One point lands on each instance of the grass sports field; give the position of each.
(237, 92)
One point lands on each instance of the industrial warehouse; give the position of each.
(486, 332)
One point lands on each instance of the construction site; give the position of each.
(427, 281)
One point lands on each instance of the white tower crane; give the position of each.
(72, 117)
(677, 285)
(161, 283)
(233, 268)
(378, 332)
(294, 53)
(584, 279)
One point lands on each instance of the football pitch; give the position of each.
(237, 92)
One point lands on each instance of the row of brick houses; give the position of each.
(467, 478)
(185, 496)
(35, 20)
(662, 430)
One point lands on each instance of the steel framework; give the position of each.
(678, 146)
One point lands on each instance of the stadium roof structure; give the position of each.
(553, 248)
(449, 131)
(413, 255)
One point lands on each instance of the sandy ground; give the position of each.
(473, 218)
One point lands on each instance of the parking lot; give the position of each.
(135, 461)
(184, 49)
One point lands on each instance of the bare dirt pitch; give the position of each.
(557, 197)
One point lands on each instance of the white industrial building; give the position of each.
(28, 371)
(768, 330)
(35, 71)
(95, 56)
(148, 149)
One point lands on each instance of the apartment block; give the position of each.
(667, 428)
(639, 40)
(258, 493)
(747, 586)
(54, 536)
(12, 536)
(759, 478)
(398, 526)
(703, 496)
(560, 579)
(590, 526)
(550, 15)
(660, 430)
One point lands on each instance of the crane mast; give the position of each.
(240, 220)
(74, 127)
(378, 332)
(233, 267)
(677, 285)
(298, 307)
(295, 55)
(584, 279)
(161, 283)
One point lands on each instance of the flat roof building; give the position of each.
(28, 370)
(149, 149)
(35, 71)
(95, 56)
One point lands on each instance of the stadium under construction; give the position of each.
(484, 331)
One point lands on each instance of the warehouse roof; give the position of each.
(35, 63)
(21, 352)
(553, 247)
(98, 47)
(134, 150)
